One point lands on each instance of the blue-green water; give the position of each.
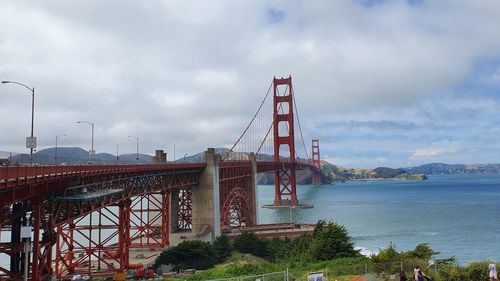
(456, 214)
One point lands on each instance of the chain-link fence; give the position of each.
(359, 272)
(274, 276)
(364, 272)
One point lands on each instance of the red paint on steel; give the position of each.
(284, 139)
(316, 162)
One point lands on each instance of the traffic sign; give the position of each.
(91, 153)
(30, 142)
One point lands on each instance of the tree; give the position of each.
(331, 241)
(188, 254)
(249, 243)
(222, 247)
(422, 251)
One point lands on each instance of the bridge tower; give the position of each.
(316, 161)
(285, 185)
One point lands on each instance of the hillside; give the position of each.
(330, 172)
(448, 169)
(77, 155)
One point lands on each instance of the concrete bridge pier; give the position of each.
(206, 201)
(253, 189)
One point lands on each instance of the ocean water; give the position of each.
(458, 215)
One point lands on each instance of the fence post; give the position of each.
(366, 269)
(401, 265)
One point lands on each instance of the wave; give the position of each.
(366, 252)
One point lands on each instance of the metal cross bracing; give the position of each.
(284, 139)
(97, 213)
(60, 210)
(21, 183)
(237, 202)
(100, 243)
(316, 162)
(185, 210)
(274, 141)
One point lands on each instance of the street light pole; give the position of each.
(117, 152)
(92, 152)
(32, 143)
(55, 152)
(137, 142)
(291, 220)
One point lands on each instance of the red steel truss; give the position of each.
(236, 194)
(81, 210)
(185, 210)
(316, 161)
(95, 214)
(285, 192)
(149, 220)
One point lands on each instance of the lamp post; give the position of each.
(92, 151)
(31, 141)
(117, 152)
(173, 145)
(137, 142)
(55, 151)
(291, 207)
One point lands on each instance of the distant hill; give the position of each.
(330, 173)
(77, 155)
(447, 169)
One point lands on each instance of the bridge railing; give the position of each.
(15, 175)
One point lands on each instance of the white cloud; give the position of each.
(437, 150)
(194, 73)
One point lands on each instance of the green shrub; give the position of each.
(222, 247)
(331, 241)
(478, 271)
(188, 254)
(249, 243)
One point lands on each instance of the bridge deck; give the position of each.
(12, 176)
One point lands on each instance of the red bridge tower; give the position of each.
(316, 161)
(284, 141)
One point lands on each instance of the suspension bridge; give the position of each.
(86, 219)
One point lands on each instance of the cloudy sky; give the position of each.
(381, 83)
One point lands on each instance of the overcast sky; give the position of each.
(381, 83)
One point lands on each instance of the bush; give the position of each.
(222, 247)
(478, 271)
(249, 243)
(188, 254)
(331, 241)
(422, 251)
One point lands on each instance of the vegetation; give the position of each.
(189, 254)
(338, 174)
(329, 249)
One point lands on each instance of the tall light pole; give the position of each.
(117, 152)
(173, 144)
(137, 141)
(31, 141)
(55, 151)
(291, 218)
(92, 151)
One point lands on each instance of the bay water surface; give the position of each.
(458, 215)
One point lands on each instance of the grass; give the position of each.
(239, 264)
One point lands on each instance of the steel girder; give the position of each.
(23, 183)
(53, 211)
(149, 221)
(185, 210)
(284, 140)
(236, 194)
